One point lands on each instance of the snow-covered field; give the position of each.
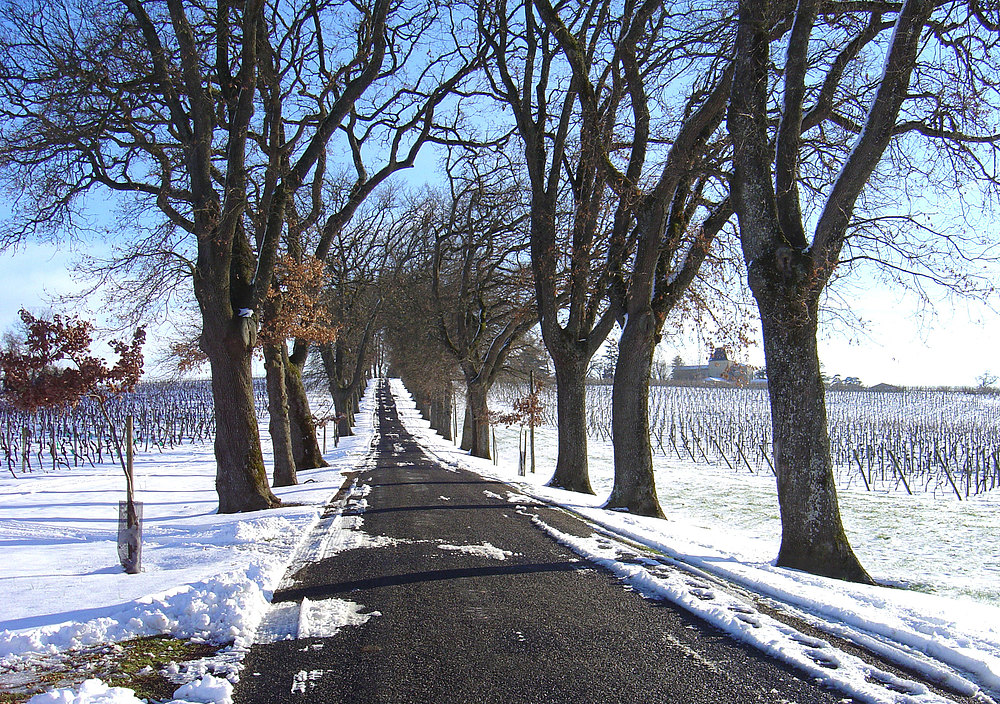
(204, 575)
(209, 576)
(931, 542)
(724, 524)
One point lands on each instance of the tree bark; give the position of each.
(812, 533)
(344, 409)
(634, 487)
(476, 431)
(333, 364)
(241, 479)
(571, 409)
(442, 414)
(278, 424)
(305, 443)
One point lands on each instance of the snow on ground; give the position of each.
(211, 577)
(487, 550)
(204, 575)
(724, 526)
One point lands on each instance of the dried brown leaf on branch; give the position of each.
(188, 355)
(55, 366)
(526, 410)
(295, 306)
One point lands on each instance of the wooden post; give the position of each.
(763, 451)
(531, 426)
(739, 448)
(454, 416)
(24, 449)
(861, 470)
(129, 473)
(520, 451)
(899, 472)
(133, 532)
(947, 472)
(721, 453)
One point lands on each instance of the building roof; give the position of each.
(719, 355)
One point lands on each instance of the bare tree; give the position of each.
(415, 351)
(417, 102)
(480, 288)
(184, 108)
(293, 310)
(573, 250)
(818, 154)
(662, 224)
(364, 262)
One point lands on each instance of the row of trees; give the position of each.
(215, 124)
(594, 157)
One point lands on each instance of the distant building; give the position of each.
(886, 388)
(719, 370)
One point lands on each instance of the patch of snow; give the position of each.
(92, 691)
(323, 618)
(205, 575)
(208, 690)
(220, 609)
(305, 680)
(485, 550)
(515, 497)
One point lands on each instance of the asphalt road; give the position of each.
(457, 624)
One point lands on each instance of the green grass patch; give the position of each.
(138, 664)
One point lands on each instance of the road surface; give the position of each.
(458, 597)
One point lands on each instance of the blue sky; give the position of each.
(900, 345)
(901, 342)
(30, 276)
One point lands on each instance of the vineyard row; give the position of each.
(913, 441)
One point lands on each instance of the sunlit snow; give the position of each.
(212, 576)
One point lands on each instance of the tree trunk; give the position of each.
(442, 416)
(241, 479)
(334, 365)
(634, 488)
(344, 409)
(305, 443)
(278, 425)
(812, 534)
(476, 432)
(571, 409)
